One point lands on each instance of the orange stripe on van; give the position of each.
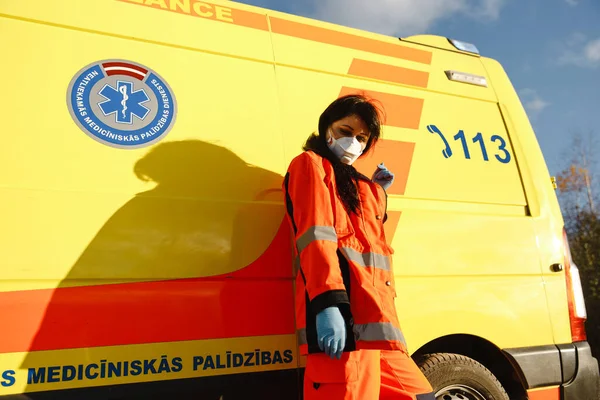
(544, 394)
(146, 312)
(390, 73)
(250, 19)
(240, 304)
(205, 10)
(254, 20)
(397, 156)
(400, 111)
(337, 38)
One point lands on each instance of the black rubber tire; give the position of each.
(446, 369)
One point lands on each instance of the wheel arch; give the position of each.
(482, 351)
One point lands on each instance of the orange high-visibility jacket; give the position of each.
(343, 259)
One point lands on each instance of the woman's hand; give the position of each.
(383, 177)
(331, 332)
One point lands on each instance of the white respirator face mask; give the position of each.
(348, 149)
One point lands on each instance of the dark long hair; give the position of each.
(346, 176)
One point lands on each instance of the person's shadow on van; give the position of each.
(209, 214)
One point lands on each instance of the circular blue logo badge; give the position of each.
(121, 103)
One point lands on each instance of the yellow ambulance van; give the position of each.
(143, 247)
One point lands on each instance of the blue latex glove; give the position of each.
(383, 176)
(331, 332)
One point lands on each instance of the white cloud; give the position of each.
(537, 104)
(572, 3)
(592, 51)
(527, 92)
(580, 51)
(532, 101)
(402, 17)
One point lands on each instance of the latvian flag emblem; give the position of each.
(123, 68)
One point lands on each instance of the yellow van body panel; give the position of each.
(86, 183)
(474, 232)
(543, 204)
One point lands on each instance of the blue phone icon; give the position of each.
(447, 151)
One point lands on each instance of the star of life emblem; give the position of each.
(121, 104)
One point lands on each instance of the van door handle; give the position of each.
(556, 267)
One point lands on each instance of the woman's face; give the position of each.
(351, 126)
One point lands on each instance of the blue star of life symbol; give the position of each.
(124, 102)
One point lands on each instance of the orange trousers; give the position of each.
(365, 375)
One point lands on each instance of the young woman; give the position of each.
(345, 291)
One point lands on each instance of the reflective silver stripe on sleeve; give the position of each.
(316, 233)
(377, 331)
(373, 332)
(301, 333)
(374, 260)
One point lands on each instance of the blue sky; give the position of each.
(549, 48)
